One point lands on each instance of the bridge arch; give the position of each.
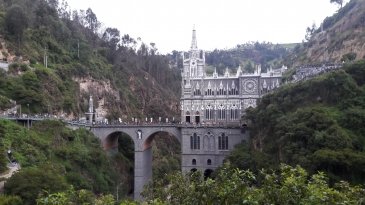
(142, 136)
(150, 137)
(110, 141)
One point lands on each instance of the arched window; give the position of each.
(197, 89)
(193, 162)
(195, 141)
(209, 90)
(221, 91)
(209, 112)
(221, 112)
(223, 142)
(234, 112)
(209, 162)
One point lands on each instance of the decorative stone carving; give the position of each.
(249, 103)
(249, 86)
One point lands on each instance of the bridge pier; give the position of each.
(202, 148)
(142, 171)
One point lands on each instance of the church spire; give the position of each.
(194, 45)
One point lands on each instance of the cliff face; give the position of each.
(126, 77)
(340, 37)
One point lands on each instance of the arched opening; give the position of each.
(208, 173)
(197, 117)
(165, 149)
(120, 148)
(209, 162)
(244, 128)
(187, 117)
(193, 162)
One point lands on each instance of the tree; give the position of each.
(339, 2)
(249, 67)
(10, 200)
(28, 183)
(16, 21)
(310, 31)
(288, 185)
(92, 21)
(112, 37)
(73, 197)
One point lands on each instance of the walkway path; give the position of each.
(13, 167)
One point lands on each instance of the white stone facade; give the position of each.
(213, 99)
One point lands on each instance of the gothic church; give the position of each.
(214, 99)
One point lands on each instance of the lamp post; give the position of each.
(118, 190)
(28, 115)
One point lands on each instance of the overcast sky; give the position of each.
(219, 23)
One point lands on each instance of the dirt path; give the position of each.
(12, 169)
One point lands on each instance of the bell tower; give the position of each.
(193, 70)
(194, 64)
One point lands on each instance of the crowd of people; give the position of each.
(309, 71)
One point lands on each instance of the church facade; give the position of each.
(220, 99)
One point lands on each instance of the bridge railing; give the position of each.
(123, 124)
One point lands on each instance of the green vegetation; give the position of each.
(338, 38)
(248, 55)
(52, 158)
(72, 197)
(289, 185)
(166, 156)
(318, 124)
(342, 13)
(77, 48)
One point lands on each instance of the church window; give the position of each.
(195, 141)
(209, 91)
(221, 113)
(221, 92)
(193, 162)
(209, 113)
(197, 90)
(234, 112)
(223, 142)
(233, 91)
(209, 162)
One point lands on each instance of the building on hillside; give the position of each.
(214, 99)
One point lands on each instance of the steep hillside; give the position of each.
(52, 158)
(318, 124)
(58, 58)
(248, 56)
(340, 37)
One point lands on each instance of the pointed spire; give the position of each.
(264, 85)
(215, 74)
(239, 71)
(194, 44)
(226, 73)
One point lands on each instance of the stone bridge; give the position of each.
(142, 136)
(202, 148)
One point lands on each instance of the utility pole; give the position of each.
(78, 49)
(45, 58)
(28, 116)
